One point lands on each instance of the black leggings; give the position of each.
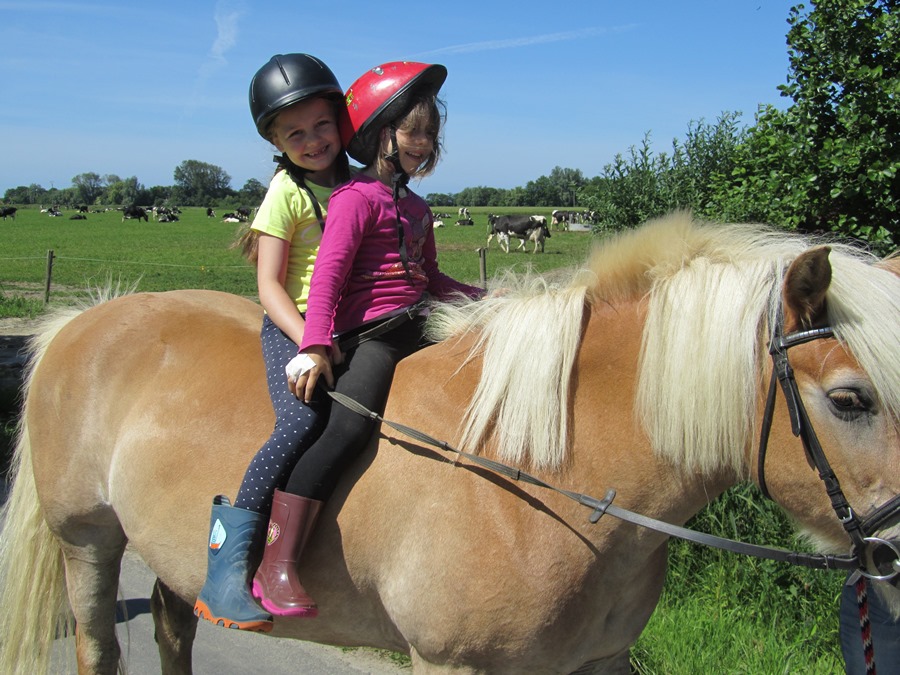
(365, 376)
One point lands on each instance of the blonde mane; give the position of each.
(711, 292)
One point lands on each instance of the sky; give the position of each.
(135, 89)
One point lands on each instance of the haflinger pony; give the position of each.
(645, 372)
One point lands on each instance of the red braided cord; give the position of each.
(865, 628)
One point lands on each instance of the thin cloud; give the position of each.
(513, 43)
(226, 17)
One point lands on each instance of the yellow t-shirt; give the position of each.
(287, 213)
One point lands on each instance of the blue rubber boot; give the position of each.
(235, 540)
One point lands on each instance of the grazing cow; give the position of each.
(210, 213)
(463, 213)
(8, 212)
(560, 219)
(243, 212)
(524, 228)
(135, 212)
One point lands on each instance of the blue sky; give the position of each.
(134, 89)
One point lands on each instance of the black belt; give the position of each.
(354, 340)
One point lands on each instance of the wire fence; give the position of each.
(238, 278)
(51, 260)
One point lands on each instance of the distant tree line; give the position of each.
(196, 184)
(829, 162)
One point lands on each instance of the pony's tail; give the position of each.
(34, 607)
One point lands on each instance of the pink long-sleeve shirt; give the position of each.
(358, 274)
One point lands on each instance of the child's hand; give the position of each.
(304, 384)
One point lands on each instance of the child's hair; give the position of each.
(428, 113)
(247, 239)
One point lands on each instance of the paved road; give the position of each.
(223, 652)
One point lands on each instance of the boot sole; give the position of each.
(202, 611)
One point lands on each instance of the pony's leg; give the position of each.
(93, 585)
(176, 627)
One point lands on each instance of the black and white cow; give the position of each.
(524, 228)
(8, 212)
(135, 212)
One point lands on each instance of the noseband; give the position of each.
(860, 531)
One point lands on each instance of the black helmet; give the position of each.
(285, 80)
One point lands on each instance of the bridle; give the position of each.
(860, 531)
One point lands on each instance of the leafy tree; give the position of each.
(439, 199)
(830, 161)
(88, 187)
(18, 195)
(200, 184)
(125, 192)
(253, 192)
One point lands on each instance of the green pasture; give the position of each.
(720, 613)
(195, 253)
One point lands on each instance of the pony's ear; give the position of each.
(805, 284)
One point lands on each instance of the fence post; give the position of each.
(49, 276)
(482, 266)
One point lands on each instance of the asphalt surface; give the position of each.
(218, 651)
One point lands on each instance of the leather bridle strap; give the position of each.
(801, 426)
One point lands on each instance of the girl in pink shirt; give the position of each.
(376, 269)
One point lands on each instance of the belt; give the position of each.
(353, 341)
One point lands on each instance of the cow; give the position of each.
(524, 228)
(210, 213)
(463, 213)
(8, 212)
(243, 212)
(438, 223)
(135, 212)
(465, 222)
(78, 216)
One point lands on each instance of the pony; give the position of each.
(648, 375)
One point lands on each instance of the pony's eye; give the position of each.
(849, 404)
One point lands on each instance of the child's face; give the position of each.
(416, 143)
(308, 133)
(415, 148)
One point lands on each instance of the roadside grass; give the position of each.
(719, 613)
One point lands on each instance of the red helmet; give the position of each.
(380, 96)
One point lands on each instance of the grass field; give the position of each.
(195, 253)
(719, 613)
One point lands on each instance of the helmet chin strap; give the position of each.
(399, 180)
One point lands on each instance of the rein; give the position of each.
(605, 505)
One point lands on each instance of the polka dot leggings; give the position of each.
(297, 425)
